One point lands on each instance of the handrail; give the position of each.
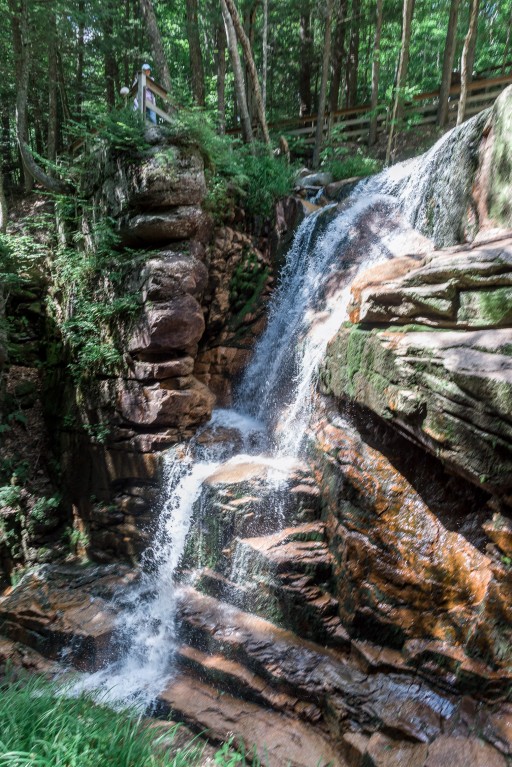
(307, 123)
(139, 87)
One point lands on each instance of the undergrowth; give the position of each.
(39, 728)
(236, 173)
(87, 299)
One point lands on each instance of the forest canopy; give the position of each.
(65, 61)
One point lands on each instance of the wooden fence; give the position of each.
(354, 123)
(141, 86)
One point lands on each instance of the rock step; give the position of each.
(300, 548)
(397, 703)
(279, 740)
(239, 681)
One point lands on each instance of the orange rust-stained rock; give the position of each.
(400, 572)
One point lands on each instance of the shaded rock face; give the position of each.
(412, 450)
(202, 293)
(412, 561)
(240, 281)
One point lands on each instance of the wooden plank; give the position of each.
(160, 113)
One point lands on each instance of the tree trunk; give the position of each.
(323, 86)
(220, 56)
(245, 120)
(466, 67)
(246, 47)
(79, 89)
(155, 39)
(353, 54)
(21, 44)
(403, 66)
(3, 204)
(51, 148)
(372, 137)
(306, 60)
(449, 55)
(338, 55)
(265, 55)
(109, 61)
(248, 26)
(196, 58)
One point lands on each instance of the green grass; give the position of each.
(40, 729)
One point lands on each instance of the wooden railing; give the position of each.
(354, 123)
(144, 82)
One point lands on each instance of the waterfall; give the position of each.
(274, 399)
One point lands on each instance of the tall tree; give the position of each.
(79, 88)
(245, 120)
(466, 66)
(3, 203)
(353, 54)
(196, 57)
(21, 45)
(52, 87)
(306, 59)
(220, 56)
(448, 58)
(338, 54)
(372, 136)
(403, 66)
(109, 59)
(264, 55)
(323, 86)
(155, 39)
(246, 47)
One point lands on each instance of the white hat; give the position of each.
(145, 66)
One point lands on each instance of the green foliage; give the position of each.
(90, 277)
(124, 129)
(245, 287)
(343, 162)
(236, 173)
(37, 728)
(10, 496)
(41, 727)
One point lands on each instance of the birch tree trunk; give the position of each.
(449, 55)
(372, 136)
(246, 47)
(323, 86)
(155, 39)
(306, 59)
(245, 120)
(467, 60)
(403, 66)
(196, 58)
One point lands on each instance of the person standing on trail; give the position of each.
(150, 96)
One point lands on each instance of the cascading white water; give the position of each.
(274, 398)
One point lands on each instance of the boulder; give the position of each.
(458, 288)
(153, 228)
(451, 391)
(167, 326)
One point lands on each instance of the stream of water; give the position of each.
(274, 398)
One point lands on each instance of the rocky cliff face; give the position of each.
(367, 622)
(414, 447)
(189, 276)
